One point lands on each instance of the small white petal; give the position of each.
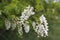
(26, 29)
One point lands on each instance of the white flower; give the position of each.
(33, 24)
(43, 21)
(45, 25)
(27, 13)
(42, 18)
(7, 24)
(25, 16)
(26, 27)
(41, 28)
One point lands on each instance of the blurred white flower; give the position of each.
(42, 28)
(42, 19)
(25, 16)
(45, 25)
(34, 25)
(27, 13)
(26, 27)
(7, 24)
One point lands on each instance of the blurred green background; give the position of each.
(50, 8)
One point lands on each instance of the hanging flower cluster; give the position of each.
(22, 23)
(24, 17)
(41, 28)
(11, 24)
(27, 13)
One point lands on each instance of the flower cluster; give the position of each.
(26, 27)
(20, 22)
(41, 28)
(27, 13)
(24, 17)
(11, 24)
(15, 22)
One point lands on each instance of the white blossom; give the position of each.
(27, 13)
(18, 22)
(41, 28)
(26, 27)
(42, 18)
(34, 25)
(25, 16)
(7, 24)
(45, 24)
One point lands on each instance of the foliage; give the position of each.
(14, 8)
